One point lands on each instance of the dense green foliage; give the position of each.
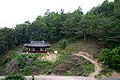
(21, 63)
(106, 71)
(14, 77)
(63, 43)
(111, 57)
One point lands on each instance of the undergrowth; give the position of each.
(66, 63)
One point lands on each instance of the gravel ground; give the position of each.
(44, 77)
(110, 79)
(60, 78)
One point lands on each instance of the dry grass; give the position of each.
(74, 47)
(73, 66)
(50, 57)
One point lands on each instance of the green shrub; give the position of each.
(50, 50)
(13, 55)
(105, 72)
(111, 57)
(88, 68)
(62, 57)
(27, 70)
(25, 49)
(14, 76)
(3, 60)
(63, 43)
(45, 67)
(33, 78)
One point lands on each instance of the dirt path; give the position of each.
(87, 56)
(115, 75)
(50, 57)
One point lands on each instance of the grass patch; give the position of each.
(14, 77)
(62, 56)
(106, 72)
(44, 67)
(2, 69)
(27, 55)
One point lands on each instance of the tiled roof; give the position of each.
(37, 44)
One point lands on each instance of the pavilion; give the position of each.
(37, 47)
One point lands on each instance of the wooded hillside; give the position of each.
(101, 23)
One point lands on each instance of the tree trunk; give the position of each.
(84, 37)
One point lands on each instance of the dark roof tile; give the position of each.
(37, 44)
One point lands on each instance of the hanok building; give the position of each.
(37, 47)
